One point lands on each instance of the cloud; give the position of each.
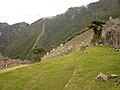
(13, 11)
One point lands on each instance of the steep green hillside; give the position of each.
(76, 71)
(59, 28)
(9, 34)
(22, 46)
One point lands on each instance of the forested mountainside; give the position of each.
(9, 33)
(50, 32)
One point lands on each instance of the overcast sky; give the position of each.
(14, 11)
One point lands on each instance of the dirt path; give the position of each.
(43, 30)
(11, 68)
(73, 74)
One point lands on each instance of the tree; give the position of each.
(97, 27)
(38, 53)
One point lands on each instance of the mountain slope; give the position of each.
(75, 71)
(110, 35)
(3, 25)
(59, 28)
(11, 33)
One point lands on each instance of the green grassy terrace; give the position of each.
(76, 71)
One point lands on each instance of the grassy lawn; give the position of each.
(76, 71)
(11, 68)
(49, 75)
(100, 59)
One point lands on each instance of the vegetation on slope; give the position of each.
(9, 34)
(76, 71)
(97, 27)
(21, 47)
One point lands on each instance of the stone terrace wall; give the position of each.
(7, 62)
(79, 42)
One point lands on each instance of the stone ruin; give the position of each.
(62, 50)
(7, 62)
(110, 36)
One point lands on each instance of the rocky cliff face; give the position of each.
(111, 33)
(3, 25)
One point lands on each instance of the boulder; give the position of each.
(112, 76)
(101, 76)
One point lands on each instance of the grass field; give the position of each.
(76, 71)
(11, 68)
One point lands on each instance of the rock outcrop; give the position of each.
(111, 33)
(3, 25)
